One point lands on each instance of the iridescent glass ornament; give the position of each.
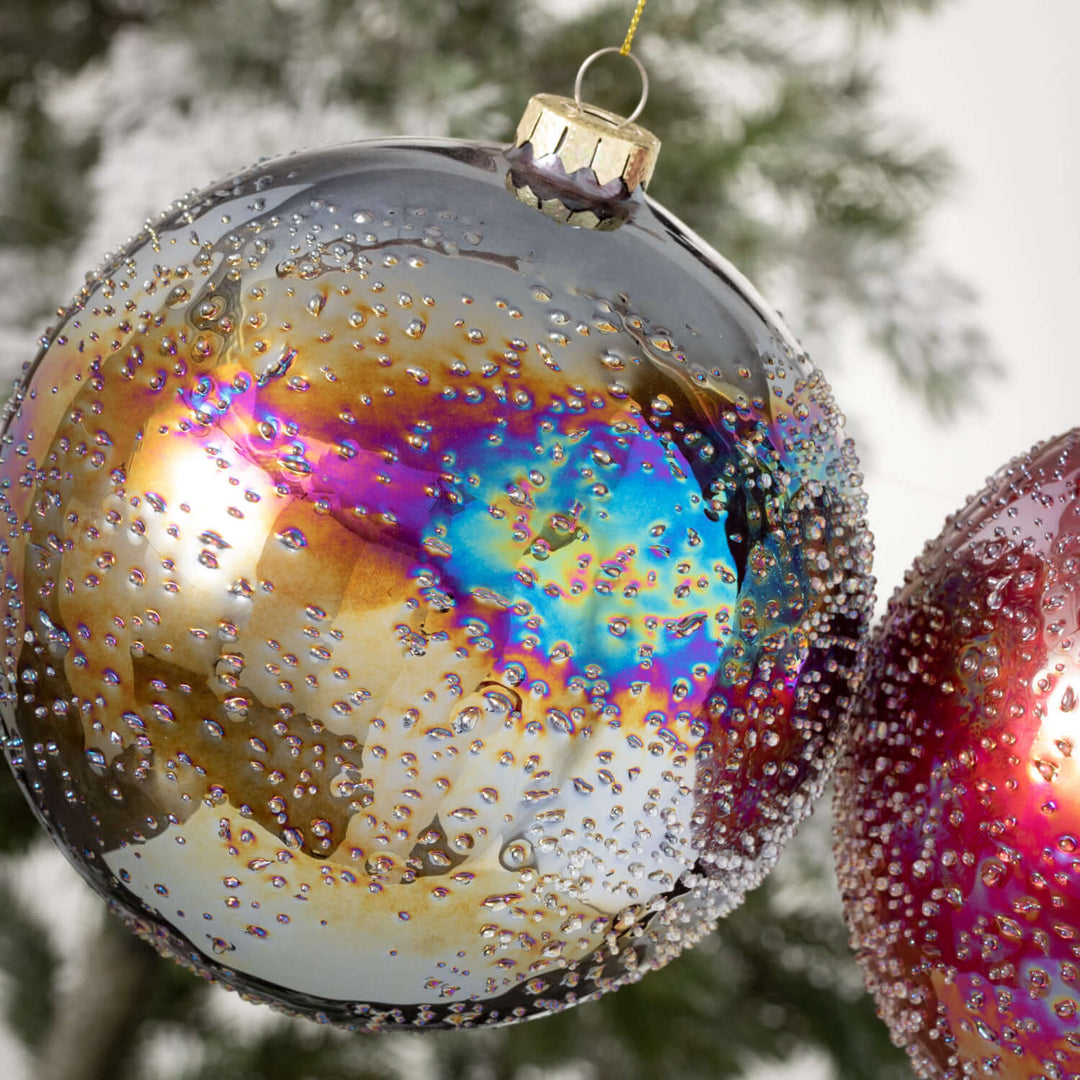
(433, 581)
(958, 800)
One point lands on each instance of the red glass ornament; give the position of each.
(958, 800)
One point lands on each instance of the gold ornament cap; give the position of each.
(584, 136)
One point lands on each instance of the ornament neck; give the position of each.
(579, 164)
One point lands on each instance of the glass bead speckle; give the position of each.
(421, 612)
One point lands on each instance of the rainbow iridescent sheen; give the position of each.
(420, 611)
(959, 798)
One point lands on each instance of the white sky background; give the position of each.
(997, 83)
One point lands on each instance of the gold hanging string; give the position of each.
(623, 50)
(631, 30)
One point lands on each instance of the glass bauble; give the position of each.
(420, 610)
(958, 800)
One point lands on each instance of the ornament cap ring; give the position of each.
(588, 62)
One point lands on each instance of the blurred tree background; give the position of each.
(775, 150)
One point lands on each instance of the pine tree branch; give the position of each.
(28, 960)
(94, 1025)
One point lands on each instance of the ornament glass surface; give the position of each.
(958, 800)
(420, 611)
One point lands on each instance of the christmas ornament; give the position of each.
(958, 798)
(433, 577)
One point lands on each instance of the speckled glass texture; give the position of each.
(420, 612)
(958, 802)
